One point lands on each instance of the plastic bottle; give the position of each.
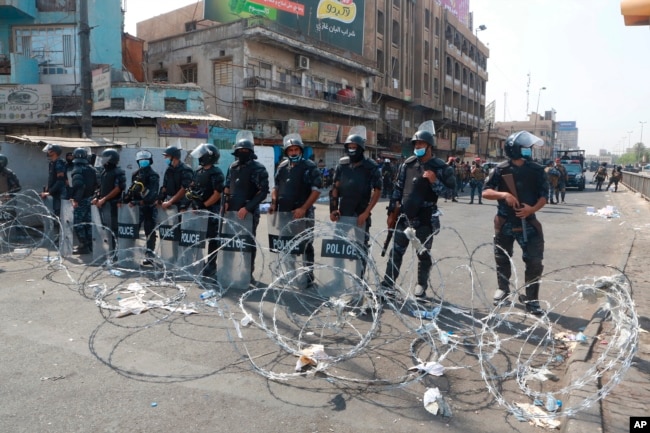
(208, 294)
(551, 403)
(581, 338)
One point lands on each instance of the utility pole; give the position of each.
(86, 73)
(527, 95)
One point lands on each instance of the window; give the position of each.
(436, 57)
(435, 86)
(223, 73)
(175, 105)
(437, 26)
(189, 74)
(160, 76)
(380, 22)
(427, 18)
(426, 51)
(396, 35)
(190, 26)
(395, 68)
(266, 70)
(396, 3)
(52, 47)
(56, 5)
(426, 83)
(117, 103)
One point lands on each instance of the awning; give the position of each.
(150, 114)
(70, 142)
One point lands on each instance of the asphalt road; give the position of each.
(68, 366)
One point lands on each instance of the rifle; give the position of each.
(510, 184)
(391, 231)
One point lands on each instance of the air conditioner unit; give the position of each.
(302, 62)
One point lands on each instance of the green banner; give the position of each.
(336, 22)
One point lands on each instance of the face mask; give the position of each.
(168, 161)
(526, 152)
(244, 157)
(419, 152)
(294, 158)
(144, 163)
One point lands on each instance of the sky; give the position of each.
(596, 71)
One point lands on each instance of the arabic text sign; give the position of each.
(25, 103)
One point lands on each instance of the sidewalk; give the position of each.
(630, 397)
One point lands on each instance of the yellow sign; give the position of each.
(343, 10)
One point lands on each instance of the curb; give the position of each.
(590, 419)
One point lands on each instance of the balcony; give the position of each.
(301, 97)
(11, 10)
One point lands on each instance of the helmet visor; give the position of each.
(526, 139)
(200, 150)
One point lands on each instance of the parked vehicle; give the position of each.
(576, 175)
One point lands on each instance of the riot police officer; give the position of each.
(56, 179)
(176, 180)
(112, 182)
(8, 180)
(205, 193)
(143, 192)
(247, 185)
(521, 187)
(421, 179)
(357, 183)
(84, 183)
(297, 187)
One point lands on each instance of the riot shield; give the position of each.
(67, 227)
(341, 259)
(169, 233)
(191, 246)
(287, 238)
(102, 235)
(128, 232)
(236, 243)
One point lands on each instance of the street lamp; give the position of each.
(476, 96)
(539, 94)
(629, 143)
(641, 138)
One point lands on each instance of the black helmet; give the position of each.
(356, 139)
(173, 151)
(604, 164)
(142, 155)
(293, 140)
(53, 148)
(244, 143)
(110, 156)
(425, 136)
(206, 153)
(3, 161)
(80, 156)
(426, 132)
(522, 139)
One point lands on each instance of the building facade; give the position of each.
(274, 77)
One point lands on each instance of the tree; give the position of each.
(640, 152)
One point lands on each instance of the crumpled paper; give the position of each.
(435, 403)
(535, 416)
(309, 356)
(432, 368)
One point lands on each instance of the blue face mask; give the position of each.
(144, 163)
(294, 158)
(526, 152)
(420, 152)
(168, 161)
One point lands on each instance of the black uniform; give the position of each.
(294, 185)
(418, 199)
(56, 183)
(356, 182)
(531, 183)
(143, 192)
(8, 182)
(248, 185)
(111, 176)
(176, 178)
(204, 184)
(84, 183)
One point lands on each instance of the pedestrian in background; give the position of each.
(520, 186)
(9, 182)
(553, 175)
(560, 190)
(615, 177)
(476, 179)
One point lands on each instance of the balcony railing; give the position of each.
(334, 97)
